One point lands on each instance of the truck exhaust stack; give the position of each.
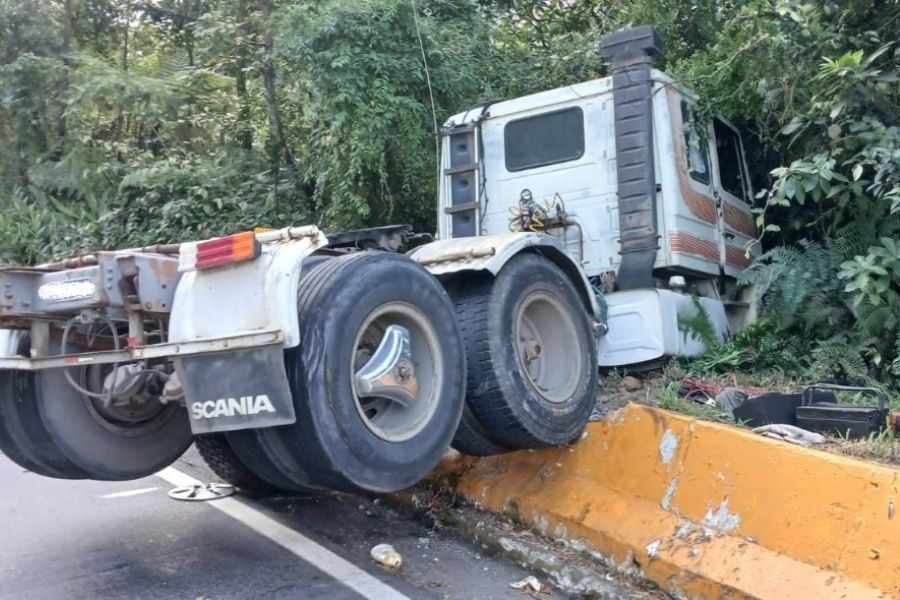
(630, 53)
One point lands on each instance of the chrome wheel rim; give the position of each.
(397, 371)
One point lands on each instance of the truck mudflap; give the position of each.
(245, 389)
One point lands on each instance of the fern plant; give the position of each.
(799, 285)
(696, 324)
(848, 332)
(759, 348)
(840, 359)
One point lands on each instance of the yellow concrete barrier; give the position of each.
(706, 510)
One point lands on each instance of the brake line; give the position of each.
(106, 396)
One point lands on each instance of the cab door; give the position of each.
(733, 196)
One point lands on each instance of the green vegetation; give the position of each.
(670, 399)
(697, 325)
(128, 122)
(814, 327)
(817, 85)
(880, 447)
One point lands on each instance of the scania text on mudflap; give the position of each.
(571, 225)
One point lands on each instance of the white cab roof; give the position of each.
(503, 108)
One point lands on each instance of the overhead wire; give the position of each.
(437, 147)
(415, 8)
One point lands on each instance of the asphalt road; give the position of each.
(90, 540)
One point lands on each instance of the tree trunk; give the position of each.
(191, 12)
(125, 40)
(281, 148)
(61, 124)
(120, 121)
(245, 131)
(67, 27)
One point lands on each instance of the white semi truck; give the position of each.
(570, 224)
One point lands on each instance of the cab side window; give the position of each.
(545, 139)
(731, 167)
(695, 143)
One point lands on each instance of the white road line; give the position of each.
(129, 493)
(323, 559)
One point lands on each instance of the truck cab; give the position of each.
(548, 162)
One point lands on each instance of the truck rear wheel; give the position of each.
(23, 437)
(106, 440)
(473, 439)
(251, 450)
(378, 377)
(221, 459)
(531, 354)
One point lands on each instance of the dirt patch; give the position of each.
(567, 567)
(614, 391)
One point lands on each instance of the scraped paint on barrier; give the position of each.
(667, 447)
(666, 502)
(721, 519)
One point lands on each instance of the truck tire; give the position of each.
(263, 451)
(250, 450)
(346, 437)
(473, 439)
(107, 442)
(23, 437)
(531, 354)
(222, 461)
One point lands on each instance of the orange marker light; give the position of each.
(226, 250)
(244, 246)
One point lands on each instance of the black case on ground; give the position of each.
(845, 420)
(853, 422)
(774, 407)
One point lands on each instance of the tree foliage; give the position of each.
(816, 83)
